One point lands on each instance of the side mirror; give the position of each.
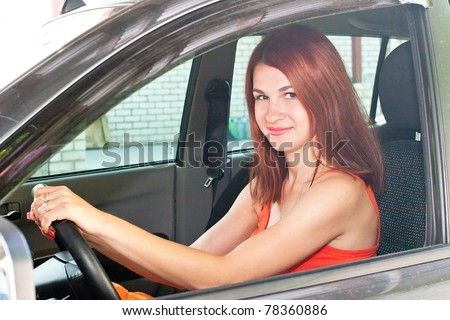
(16, 264)
(70, 5)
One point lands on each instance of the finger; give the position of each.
(31, 215)
(40, 192)
(43, 217)
(46, 206)
(44, 197)
(49, 190)
(35, 188)
(50, 234)
(35, 206)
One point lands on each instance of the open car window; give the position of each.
(142, 128)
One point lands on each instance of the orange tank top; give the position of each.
(327, 255)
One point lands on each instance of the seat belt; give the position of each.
(229, 195)
(215, 147)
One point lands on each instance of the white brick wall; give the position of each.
(154, 112)
(71, 158)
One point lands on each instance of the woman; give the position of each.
(309, 202)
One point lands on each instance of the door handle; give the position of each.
(11, 211)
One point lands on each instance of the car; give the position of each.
(130, 112)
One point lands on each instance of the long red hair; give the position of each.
(317, 74)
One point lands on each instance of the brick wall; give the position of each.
(154, 112)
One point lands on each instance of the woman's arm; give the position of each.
(320, 217)
(234, 228)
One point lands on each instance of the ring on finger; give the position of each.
(44, 197)
(45, 207)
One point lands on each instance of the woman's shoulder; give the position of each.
(339, 184)
(339, 176)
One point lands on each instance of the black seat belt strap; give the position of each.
(215, 148)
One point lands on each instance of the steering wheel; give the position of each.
(69, 236)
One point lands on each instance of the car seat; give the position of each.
(402, 201)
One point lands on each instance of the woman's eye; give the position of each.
(290, 95)
(260, 97)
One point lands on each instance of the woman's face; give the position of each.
(279, 114)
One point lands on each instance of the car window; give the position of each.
(142, 128)
(238, 126)
(360, 57)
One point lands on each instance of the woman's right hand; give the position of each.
(53, 203)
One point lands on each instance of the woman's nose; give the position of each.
(274, 112)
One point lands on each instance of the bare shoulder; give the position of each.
(338, 205)
(340, 183)
(342, 200)
(338, 193)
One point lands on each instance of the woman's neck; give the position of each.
(302, 166)
(302, 175)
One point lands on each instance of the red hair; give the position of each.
(317, 74)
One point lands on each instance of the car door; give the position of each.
(392, 275)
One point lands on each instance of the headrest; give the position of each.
(397, 90)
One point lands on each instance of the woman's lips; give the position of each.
(278, 131)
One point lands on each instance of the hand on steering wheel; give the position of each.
(69, 236)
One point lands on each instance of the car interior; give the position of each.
(177, 200)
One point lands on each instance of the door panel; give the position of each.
(143, 196)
